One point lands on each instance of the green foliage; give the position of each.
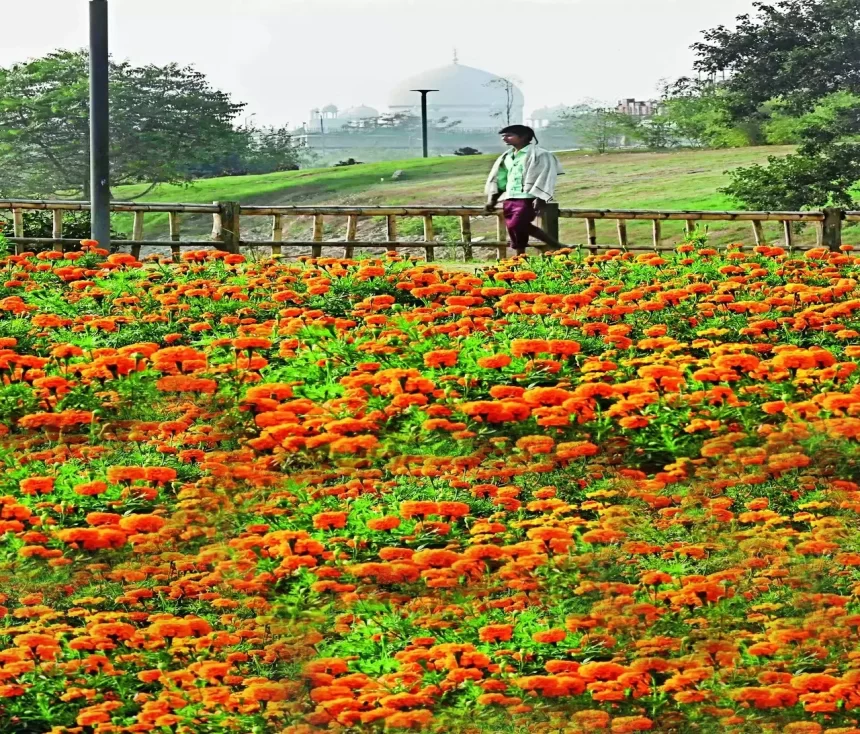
(76, 225)
(168, 125)
(802, 53)
(598, 128)
(656, 133)
(799, 181)
(698, 114)
(253, 150)
(446, 229)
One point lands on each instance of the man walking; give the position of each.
(524, 179)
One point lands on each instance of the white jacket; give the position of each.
(541, 171)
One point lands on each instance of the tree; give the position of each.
(656, 133)
(508, 86)
(165, 120)
(599, 128)
(698, 111)
(800, 53)
(252, 150)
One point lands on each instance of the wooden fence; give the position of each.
(227, 226)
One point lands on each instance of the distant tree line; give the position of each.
(169, 125)
(787, 74)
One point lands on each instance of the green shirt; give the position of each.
(512, 173)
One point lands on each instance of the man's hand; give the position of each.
(491, 205)
(538, 205)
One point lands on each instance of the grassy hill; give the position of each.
(671, 180)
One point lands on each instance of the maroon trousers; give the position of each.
(519, 215)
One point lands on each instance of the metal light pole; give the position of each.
(424, 93)
(99, 123)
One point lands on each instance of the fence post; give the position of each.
(175, 252)
(429, 236)
(318, 235)
(227, 230)
(591, 234)
(622, 234)
(57, 229)
(549, 220)
(466, 237)
(277, 234)
(501, 236)
(351, 236)
(831, 234)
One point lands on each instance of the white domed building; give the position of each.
(358, 114)
(545, 116)
(330, 118)
(478, 99)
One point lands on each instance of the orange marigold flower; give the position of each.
(435, 558)
(118, 474)
(565, 347)
(103, 518)
(601, 671)
(655, 578)
(452, 509)
(411, 508)
(388, 522)
(495, 362)
(353, 444)
(94, 538)
(251, 342)
(36, 485)
(521, 347)
(142, 523)
(496, 633)
(550, 636)
(536, 444)
(90, 489)
(575, 450)
(184, 383)
(625, 724)
(267, 692)
(441, 358)
(329, 520)
(11, 690)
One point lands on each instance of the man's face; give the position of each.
(517, 141)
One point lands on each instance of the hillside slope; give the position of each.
(670, 180)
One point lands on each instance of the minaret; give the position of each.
(456, 58)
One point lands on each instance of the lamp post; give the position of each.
(99, 123)
(424, 93)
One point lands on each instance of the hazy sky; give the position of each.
(284, 57)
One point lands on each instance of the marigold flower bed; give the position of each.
(581, 493)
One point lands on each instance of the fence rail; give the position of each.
(227, 225)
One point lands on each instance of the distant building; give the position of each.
(330, 119)
(546, 116)
(478, 99)
(475, 99)
(469, 108)
(638, 108)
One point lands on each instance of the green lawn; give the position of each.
(671, 180)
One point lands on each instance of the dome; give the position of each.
(362, 112)
(329, 109)
(458, 85)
